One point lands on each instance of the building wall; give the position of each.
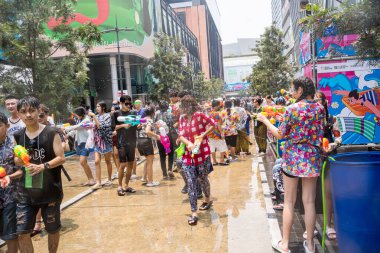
(238, 68)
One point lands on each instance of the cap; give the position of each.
(137, 102)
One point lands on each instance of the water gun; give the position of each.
(272, 111)
(22, 153)
(87, 124)
(195, 151)
(63, 125)
(325, 143)
(132, 120)
(164, 138)
(181, 150)
(3, 172)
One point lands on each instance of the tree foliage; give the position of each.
(168, 67)
(362, 18)
(207, 89)
(272, 72)
(57, 82)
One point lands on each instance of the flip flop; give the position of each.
(192, 220)
(276, 246)
(130, 190)
(331, 233)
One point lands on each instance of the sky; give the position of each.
(243, 18)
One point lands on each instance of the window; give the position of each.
(182, 16)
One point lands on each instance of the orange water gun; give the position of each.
(22, 153)
(3, 172)
(325, 143)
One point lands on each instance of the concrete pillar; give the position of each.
(115, 87)
(127, 70)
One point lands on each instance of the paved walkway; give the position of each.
(155, 219)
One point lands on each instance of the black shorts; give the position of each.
(145, 146)
(8, 222)
(126, 153)
(231, 140)
(26, 217)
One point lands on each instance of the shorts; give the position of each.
(145, 146)
(81, 150)
(107, 149)
(26, 217)
(114, 140)
(8, 222)
(217, 145)
(126, 153)
(231, 140)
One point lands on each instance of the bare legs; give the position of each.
(86, 168)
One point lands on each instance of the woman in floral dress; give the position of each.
(302, 129)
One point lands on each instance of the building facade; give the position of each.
(119, 65)
(203, 19)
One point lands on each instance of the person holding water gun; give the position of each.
(81, 139)
(46, 158)
(303, 129)
(10, 173)
(194, 126)
(259, 129)
(126, 144)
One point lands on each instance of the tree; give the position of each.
(28, 46)
(272, 72)
(168, 67)
(362, 18)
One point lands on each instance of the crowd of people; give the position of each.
(131, 129)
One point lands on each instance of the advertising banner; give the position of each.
(236, 86)
(353, 91)
(305, 47)
(336, 46)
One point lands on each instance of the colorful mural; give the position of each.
(335, 46)
(134, 14)
(236, 86)
(353, 91)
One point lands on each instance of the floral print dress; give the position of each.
(303, 128)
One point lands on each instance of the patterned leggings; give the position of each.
(195, 174)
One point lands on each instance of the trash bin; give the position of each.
(356, 198)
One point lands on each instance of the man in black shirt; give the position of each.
(126, 144)
(46, 159)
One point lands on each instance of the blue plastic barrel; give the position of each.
(355, 181)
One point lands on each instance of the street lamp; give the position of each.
(117, 30)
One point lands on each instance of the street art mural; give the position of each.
(335, 46)
(305, 48)
(353, 91)
(236, 86)
(134, 14)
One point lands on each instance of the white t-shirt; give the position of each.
(15, 126)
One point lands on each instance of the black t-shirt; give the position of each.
(125, 137)
(41, 150)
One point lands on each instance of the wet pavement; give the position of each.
(155, 219)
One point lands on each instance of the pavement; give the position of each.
(155, 219)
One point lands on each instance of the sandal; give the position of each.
(223, 164)
(120, 192)
(192, 220)
(205, 206)
(306, 248)
(330, 233)
(130, 190)
(276, 246)
(305, 234)
(37, 231)
(279, 207)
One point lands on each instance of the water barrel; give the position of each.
(355, 181)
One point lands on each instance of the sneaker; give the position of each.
(152, 184)
(134, 176)
(144, 180)
(96, 187)
(261, 154)
(115, 175)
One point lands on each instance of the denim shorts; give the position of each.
(8, 222)
(26, 217)
(106, 150)
(81, 150)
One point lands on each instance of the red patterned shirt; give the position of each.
(196, 126)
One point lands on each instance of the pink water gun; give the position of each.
(164, 138)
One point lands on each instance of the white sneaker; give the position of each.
(152, 184)
(134, 176)
(261, 154)
(115, 175)
(107, 183)
(143, 180)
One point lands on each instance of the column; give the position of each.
(127, 70)
(115, 87)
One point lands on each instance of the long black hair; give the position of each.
(307, 86)
(228, 106)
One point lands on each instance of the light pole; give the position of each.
(117, 30)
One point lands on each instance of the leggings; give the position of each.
(161, 151)
(195, 174)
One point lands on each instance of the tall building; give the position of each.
(276, 13)
(203, 19)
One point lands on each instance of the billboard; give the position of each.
(136, 15)
(236, 86)
(336, 46)
(305, 47)
(353, 91)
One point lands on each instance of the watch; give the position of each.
(46, 166)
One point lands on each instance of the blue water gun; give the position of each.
(132, 120)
